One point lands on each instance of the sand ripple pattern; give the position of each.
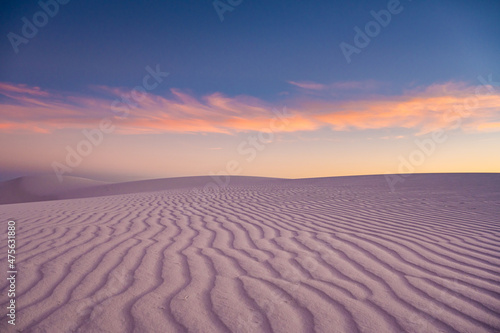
(291, 257)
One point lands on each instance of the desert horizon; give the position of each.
(47, 187)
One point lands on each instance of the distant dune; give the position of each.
(48, 187)
(41, 188)
(340, 254)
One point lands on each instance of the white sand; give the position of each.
(327, 255)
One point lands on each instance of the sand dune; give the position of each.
(262, 255)
(42, 188)
(49, 187)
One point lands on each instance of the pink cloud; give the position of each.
(421, 109)
(11, 89)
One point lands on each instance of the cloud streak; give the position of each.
(308, 85)
(424, 109)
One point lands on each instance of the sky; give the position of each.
(125, 90)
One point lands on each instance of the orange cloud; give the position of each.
(11, 127)
(437, 107)
(489, 127)
(423, 110)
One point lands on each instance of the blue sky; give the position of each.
(258, 47)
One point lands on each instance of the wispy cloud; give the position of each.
(308, 85)
(422, 109)
(368, 85)
(11, 89)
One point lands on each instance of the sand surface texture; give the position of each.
(261, 255)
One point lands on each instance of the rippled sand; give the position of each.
(263, 255)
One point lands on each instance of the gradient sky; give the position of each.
(266, 91)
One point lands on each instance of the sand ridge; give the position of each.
(325, 255)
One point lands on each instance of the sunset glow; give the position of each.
(302, 108)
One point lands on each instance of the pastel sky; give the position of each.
(119, 90)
